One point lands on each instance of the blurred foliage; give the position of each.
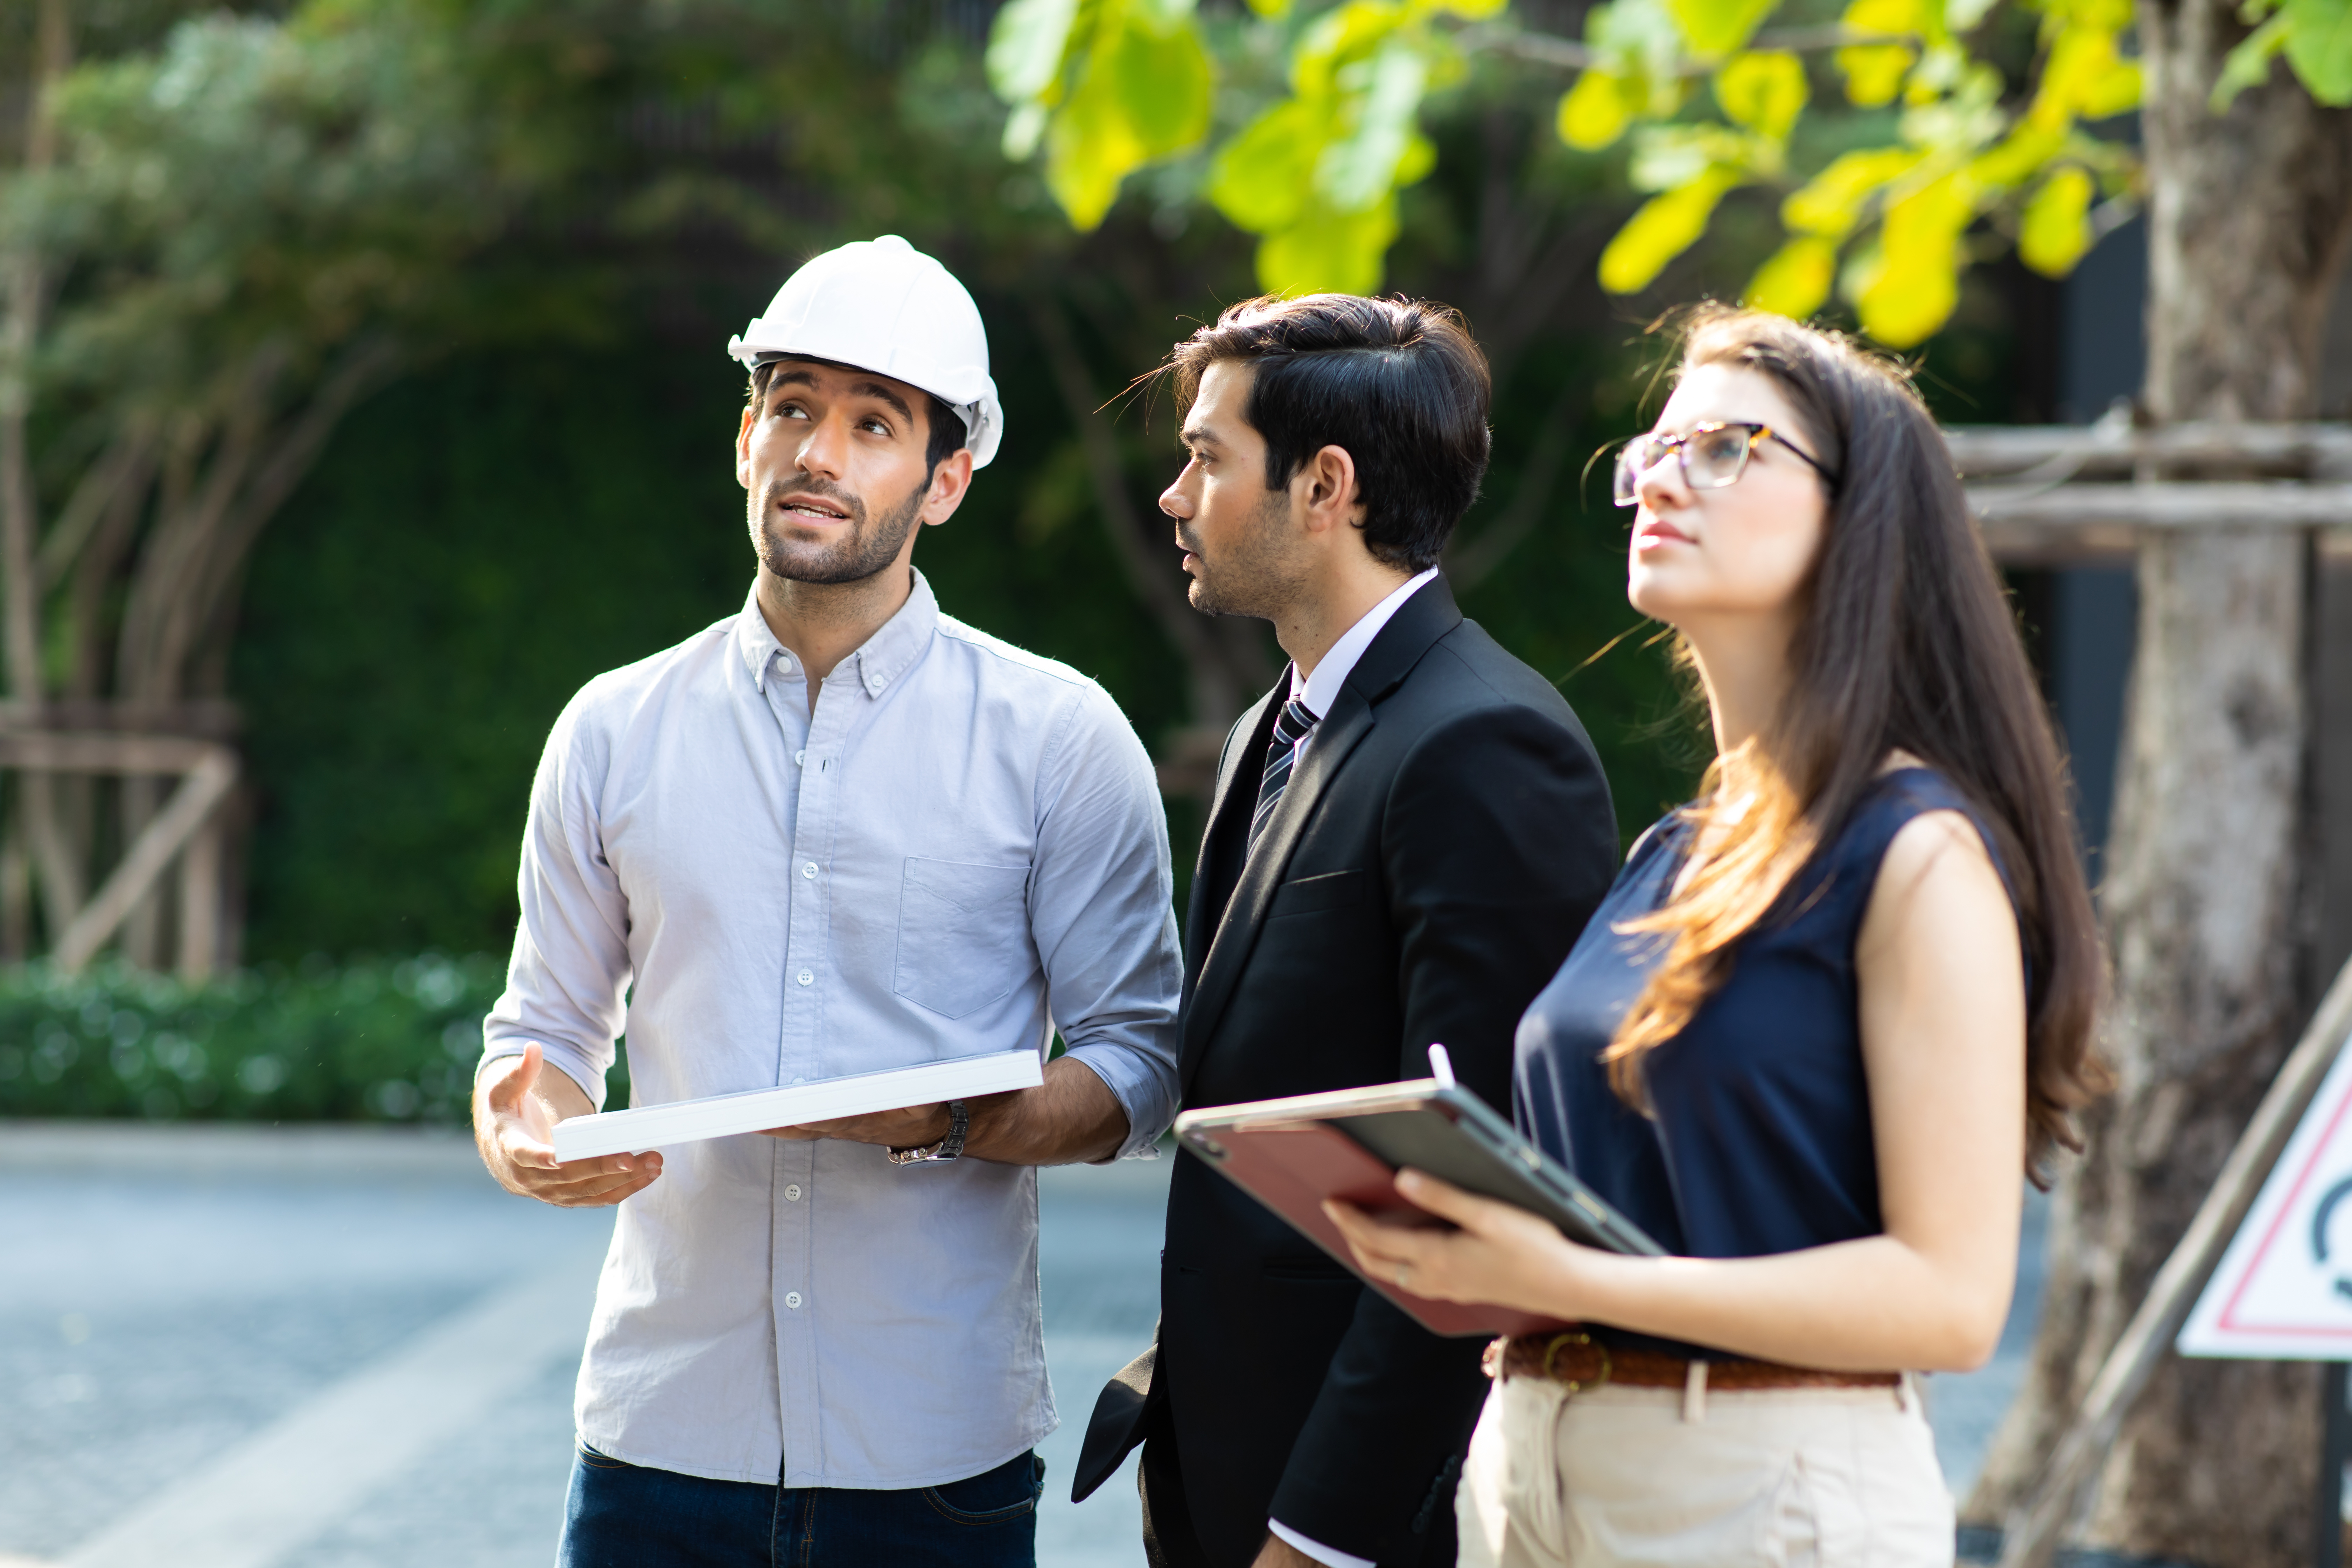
(1119, 83)
(253, 186)
(547, 493)
(371, 1042)
(2315, 36)
(1941, 154)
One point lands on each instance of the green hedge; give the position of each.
(370, 1041)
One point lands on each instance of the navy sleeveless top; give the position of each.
(1761, 1137)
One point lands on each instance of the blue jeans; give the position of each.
(629, 1516)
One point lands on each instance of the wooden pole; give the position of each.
(2335, 1449)
(200, 901)
(20, 596)
(2031, 1538)
(205, 787)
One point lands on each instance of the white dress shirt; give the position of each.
(959, 850)
(1319, 691)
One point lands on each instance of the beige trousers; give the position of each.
(1654, 1478)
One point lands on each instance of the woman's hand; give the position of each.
(1498, 1254)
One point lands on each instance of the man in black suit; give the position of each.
(1409, 832)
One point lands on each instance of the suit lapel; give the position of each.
(1229, 809)
(1417, 623)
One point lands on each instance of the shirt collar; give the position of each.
(879, 660)
(1321, 689)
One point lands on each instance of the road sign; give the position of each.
(2283, 1289)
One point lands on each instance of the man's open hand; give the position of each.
(516, 1108)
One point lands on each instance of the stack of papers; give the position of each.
(795, 1105)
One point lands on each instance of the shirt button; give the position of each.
(793, 1300)
(809, 869)
(806, 977)
(793, 1193)
(800, 758)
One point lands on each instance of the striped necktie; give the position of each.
(1290, 730)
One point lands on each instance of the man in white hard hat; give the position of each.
(834, 833)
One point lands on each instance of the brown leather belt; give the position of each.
(1583, 1362)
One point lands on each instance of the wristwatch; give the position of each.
(948, 1148)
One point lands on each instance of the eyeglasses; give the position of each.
(1713, 455)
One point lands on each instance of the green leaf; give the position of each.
(2055, 229)
(1356, 171)
(1717, 27)
(1090, 148)
(1419, 158)
(1921, 19)
(2319, 47)
(1163, 83)
(2249, 64)
(2023, 154)
(1668, 157)
(1025, 46)
(1796, 281)
(2083, 75)
(1595, 111)
(1917, 283)
(1142, 92)
(1022, 128)
(1344, 36)
(1763, 91)
(1261, 178)
(1328, 252)
(1874, 72)
(1664, 227)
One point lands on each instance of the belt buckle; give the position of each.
(1576, 1337)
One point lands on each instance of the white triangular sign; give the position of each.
(2283, 1292)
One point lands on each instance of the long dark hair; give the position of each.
(1905, 642)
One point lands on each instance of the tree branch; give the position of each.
(125, 465)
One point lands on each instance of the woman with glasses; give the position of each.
(1828, 1015)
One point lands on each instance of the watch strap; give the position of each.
(948, 1148)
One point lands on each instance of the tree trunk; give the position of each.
(20, 586)
(2207, 900)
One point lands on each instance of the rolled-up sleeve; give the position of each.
(569, 975)
(1102, 912)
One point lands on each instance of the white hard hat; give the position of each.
(883, 306)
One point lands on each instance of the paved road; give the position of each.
(232, 1348)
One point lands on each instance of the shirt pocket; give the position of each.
(964, 935)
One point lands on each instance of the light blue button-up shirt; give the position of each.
(960, 851)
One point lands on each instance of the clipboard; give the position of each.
(1292, 1155)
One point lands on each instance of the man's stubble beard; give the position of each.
(864, 549)
(1258, 577)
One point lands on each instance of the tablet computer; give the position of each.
(1291, 1155)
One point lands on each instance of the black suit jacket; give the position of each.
(1444, 839)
